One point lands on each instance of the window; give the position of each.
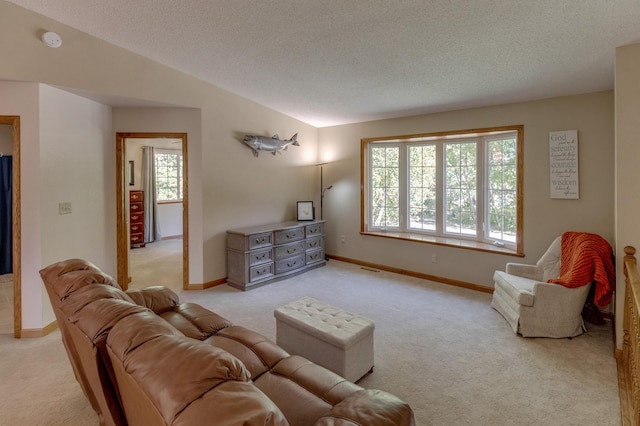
(168, 169)
(446, 187)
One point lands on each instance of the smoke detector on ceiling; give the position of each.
(52, 39)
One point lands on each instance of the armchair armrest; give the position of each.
(369, 407)
(524, 270)
(558, 298)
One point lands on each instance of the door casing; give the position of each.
(122, 228)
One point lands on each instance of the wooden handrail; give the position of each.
(629, 365)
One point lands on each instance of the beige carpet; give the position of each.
(440, 348)
(6, 304)
(158, 263)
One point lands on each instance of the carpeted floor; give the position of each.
(440, 348)
(6, 304)
(158, 263)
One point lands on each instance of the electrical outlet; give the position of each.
(64, 208)
(342, 239)
(434, 258)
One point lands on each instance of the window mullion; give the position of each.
(440, 188)
(404, 187)
(481, 187)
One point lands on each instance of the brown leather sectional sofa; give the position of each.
(143, 358)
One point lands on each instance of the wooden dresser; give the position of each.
(136, 218)
(261, 254)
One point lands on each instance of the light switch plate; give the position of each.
(64, 208)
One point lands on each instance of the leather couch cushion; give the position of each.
(157, 298)
(77, 274)
(258, 353)
(232, 403)
(195, 321)
(88, 294)
(368, 407)
(172, 369)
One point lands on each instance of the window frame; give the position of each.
(440, 236)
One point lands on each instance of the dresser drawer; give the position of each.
(312, 230)
(258, 273)
(260, 240)
(135, 196)
(137, 238)
(136, 207)
(289, 264)
(289, 235)
(314, 256)
(136, 218)
(314, 243)
(289, 250)
(260, 256)
(136, 228)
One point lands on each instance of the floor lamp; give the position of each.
(322, 189)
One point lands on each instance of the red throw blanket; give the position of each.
(585, 258)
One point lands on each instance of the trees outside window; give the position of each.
(168, 169)
(461, 185)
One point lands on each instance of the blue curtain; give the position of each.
(6, 215)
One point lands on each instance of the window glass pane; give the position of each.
(168, 170)
(460, 182)
(385, 186)
(422, 187)
(502, 194)
(430, 184)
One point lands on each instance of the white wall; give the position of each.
(169, 120)
(6, 139)
(170, 219)
(234, 188)
(77, 165)
(229, 188)
(627, 108)
(64, 157)
(544, 218)
(21, 99)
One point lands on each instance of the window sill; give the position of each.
(442, 241)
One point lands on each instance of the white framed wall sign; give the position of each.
(563, 164)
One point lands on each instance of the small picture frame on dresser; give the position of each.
(305, 211)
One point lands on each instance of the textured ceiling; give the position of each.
(330, 62)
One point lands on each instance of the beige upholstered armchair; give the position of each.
(532, 306)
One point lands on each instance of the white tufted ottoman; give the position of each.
(338, 340)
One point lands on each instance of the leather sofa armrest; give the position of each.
(523, 270)
(157, 298)
(369, 407)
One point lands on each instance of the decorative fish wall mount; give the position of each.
(273, 145)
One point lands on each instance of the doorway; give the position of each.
(142, 245)
(11, 130)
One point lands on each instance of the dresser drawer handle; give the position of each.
(290, 265)
(289, 251)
